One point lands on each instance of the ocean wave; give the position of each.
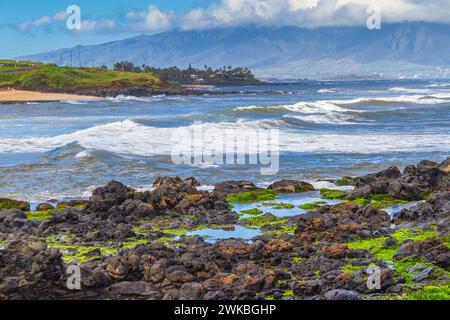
(128, 138)
(410, 90)
(303, 107)
(74, 102)
(123, 98)
(427, 99)
(325, 106)
(325, 91)
(438, 85)
(329, 118)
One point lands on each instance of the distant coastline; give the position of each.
(38, 82)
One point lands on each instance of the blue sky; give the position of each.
(33, 26)
(16, 42)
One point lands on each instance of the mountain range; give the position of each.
(396, 50)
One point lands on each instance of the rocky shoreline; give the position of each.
(143, 245)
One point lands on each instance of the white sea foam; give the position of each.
(75, 102)
(324, 106)
(123, 98)
(318, 184)
(329, 118)
(303, 107)
(325, 91)
(133, 139)
(410, 90)
(84, 154)
(438, 85)
(209, 188)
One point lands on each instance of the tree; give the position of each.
(124, 66)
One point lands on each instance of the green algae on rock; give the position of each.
(252, 196)
(313, 205)
(39, 215)
(14, 204)
(283, 205)
(253, 212)
(332, 194)
(377, 201)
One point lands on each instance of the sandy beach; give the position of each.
(11, 96)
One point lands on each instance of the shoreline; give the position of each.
(179, 242)
(13, 96)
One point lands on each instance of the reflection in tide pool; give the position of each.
(237, 232)
(296, 199)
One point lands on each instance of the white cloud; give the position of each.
(59, 18)
(151, 20)
(302, 13)
(43, 21)
(97, 26)
(314, 13)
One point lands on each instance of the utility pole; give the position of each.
(79, 55)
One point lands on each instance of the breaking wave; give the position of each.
(133, 139)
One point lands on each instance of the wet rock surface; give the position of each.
(135, 245)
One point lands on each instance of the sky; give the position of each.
(28, 27)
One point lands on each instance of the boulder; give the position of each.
(290, 186)
(6, 204)
(103, 198)
(340, 294)
(44, 207)
(234, 187)
(432, 250)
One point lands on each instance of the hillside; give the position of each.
(396, 50)
(88, 81)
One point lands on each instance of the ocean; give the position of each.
(327, 129)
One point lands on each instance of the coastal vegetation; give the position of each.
(51, 78)
(195, 76)
(124, 78)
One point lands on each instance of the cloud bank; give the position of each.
(314, 13)
(301, 13)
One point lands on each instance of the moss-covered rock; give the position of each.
(312, 205)
(290, 186)
(283, 205)
(377, 201)
(261, 221)
(39, 215)
(252, 196)
(252, 212)
(345, 181)
(14, 204)
(332, 194)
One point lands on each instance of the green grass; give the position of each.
(252, 196)
(50, 77)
